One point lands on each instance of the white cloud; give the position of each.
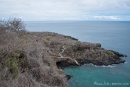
(67, 9)
(102, 17)
(106, 17)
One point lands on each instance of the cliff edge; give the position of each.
(36, 59)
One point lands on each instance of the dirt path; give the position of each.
(60, 54)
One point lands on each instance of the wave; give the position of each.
(126, 62)
(111, 66)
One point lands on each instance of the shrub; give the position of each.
(11, 61)
(109, 53)
(11, 28)
(76, 56)
(48, 38)
(12, 25)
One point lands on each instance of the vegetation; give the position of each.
(109, 53)
(24, 59)
(10, 30)
(48, 38)
(69, 37)
(76, 56)
(31, 58)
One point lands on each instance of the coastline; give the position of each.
(95, 49)
(45, 54)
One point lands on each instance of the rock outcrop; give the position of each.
(85, 53)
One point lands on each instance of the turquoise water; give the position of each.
(112, 35)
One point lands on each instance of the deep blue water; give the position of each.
(112, 35)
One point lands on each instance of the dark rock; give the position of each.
(118, 54)
(68, 77)
(63, 64)
(83, 61)
(71, 38)
(98, 45)
(36, 40)
(125, 55)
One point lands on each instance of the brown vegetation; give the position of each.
(30, 59)
(24, 60)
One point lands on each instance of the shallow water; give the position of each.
(112, 35)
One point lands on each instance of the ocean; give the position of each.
(113, 35)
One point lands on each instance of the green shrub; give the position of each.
(12, 61)
(48, 38)
(68, 37)
(109, 53)
(76, 56)
(9, 61)
(15, 70)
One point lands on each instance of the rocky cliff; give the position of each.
(36, 59)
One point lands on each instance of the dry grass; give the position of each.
(24, 60)
(29, 58)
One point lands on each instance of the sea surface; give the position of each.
(113, 35)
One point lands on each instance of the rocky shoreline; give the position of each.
(37, 58)
(88, 52)
(63, 64)
(117, 60)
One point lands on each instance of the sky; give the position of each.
(42, 10)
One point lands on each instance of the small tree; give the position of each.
(12, 26)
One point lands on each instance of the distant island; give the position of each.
(36, 59)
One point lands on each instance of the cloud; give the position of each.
(106, 17)
(105, 5)
(66, 9)
(102, 17)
